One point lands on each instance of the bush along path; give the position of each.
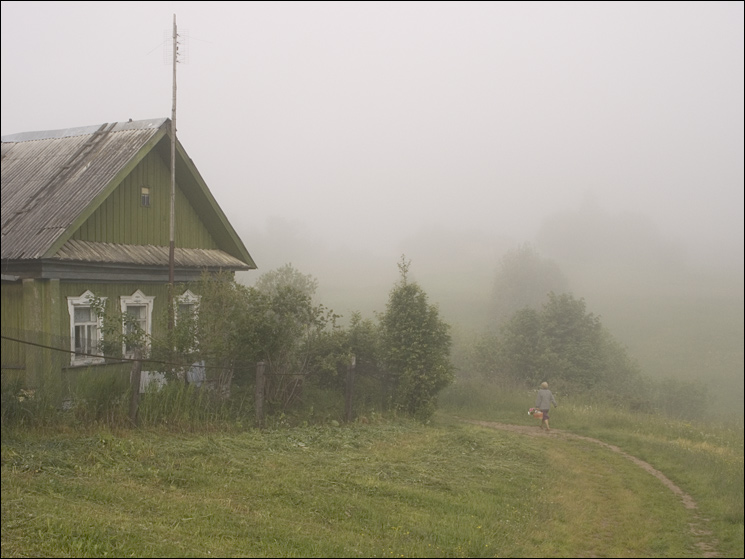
(705, 541)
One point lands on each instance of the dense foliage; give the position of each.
(275, 323)
(564, 344)
(415, 345)
(400, 362)
(559, 341)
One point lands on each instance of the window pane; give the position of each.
(86, 338)
(79, 339)
(137, 311)
(92, 339)
(185, 308)
(139, 316)
(82, 314)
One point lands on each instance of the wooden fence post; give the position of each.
(350, 390)
(260, 394)
(135, 378)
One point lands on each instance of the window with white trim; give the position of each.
(139, 308)
(188, 303)
(187, 308)
(86, 330)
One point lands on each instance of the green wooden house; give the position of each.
(86, 213)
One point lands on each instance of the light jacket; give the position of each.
(544, 399)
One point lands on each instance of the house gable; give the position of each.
(123, 218)
(72, 198)
(200, 196)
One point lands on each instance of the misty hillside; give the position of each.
(679, 317)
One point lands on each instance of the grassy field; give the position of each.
(386, 488)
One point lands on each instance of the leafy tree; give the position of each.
(287, 276)
(564, 343)
(519, 356)
(227, 333)
(523, 280)
(295, 338)
(415, 348)
(364, 344)
(296, 330)
(277, 323)
(572, 342)
(335, 351)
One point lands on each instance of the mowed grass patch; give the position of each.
(388, 489)
(704, 459)
(630, 512)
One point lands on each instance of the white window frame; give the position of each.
(138, 298)
(188, 298)
(84, 301)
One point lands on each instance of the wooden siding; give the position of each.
(37, 311)
(122, 219)
(13, 355)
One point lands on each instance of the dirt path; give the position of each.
(705, 541)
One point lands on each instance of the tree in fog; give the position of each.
(566, 345)
(226, 330)
(523, 279)
(286, 276)
(335, 349)
(415, 347)
(275, 322)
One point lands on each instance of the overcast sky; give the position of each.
(361, 123)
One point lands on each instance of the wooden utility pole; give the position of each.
(172, 244)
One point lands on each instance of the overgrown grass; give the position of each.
(102, 398)
(385, 488)
(196, 479)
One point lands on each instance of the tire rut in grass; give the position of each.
(705, 541)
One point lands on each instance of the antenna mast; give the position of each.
(172, 244)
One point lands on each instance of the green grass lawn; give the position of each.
(389, 488)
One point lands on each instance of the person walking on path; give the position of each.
(543, 401)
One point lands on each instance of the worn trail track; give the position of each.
(705, 541)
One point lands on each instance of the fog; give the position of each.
(338, 136)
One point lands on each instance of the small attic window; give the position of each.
(145, 196)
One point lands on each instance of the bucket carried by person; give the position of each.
(536, 413)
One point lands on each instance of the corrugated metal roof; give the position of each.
(49, 178)
(154, 123)
(147, 255)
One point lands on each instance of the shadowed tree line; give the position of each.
(542, 332)
(539, 331)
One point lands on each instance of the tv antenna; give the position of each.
(172, 241)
